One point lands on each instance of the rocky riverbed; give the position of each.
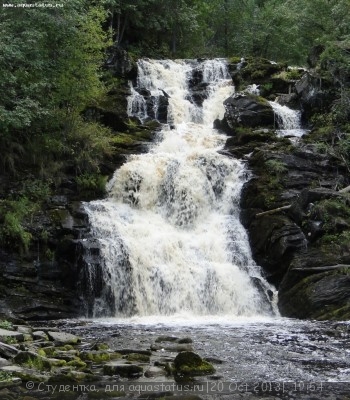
(194, 359)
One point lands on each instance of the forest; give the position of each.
(53, 73)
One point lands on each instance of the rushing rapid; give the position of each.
(169, 232)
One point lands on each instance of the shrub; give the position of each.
(6, 325)
(275, 167)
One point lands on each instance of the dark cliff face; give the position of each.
(297, 217)
(43, 277)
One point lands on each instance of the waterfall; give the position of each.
(170, 237)
(288, 120)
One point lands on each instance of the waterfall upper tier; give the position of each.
(169, 231)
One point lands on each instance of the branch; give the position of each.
(274, 211)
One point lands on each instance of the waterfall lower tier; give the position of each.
(169, 232)
(288, 121)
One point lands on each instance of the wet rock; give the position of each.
(274, 239)
(213, 360)
(137, 357)
(10, 383)
(14, 335)
(317, 293)
(135, 351)
(178, 348)
(175, 339)
(40, 335)
(251, 137)
(188, 363)
(23, 329)
(157, 395)
(161, 339)
(124, 370)
(153, 372)
(63, 338)
(4, 362)
(7, 351)
(248, 110)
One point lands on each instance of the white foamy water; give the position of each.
(169, 231)
(288, 121)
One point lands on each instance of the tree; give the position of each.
(50, 68)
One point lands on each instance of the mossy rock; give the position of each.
(77, 363)
(95, 356)
(30, 359)
(253, 70)
(100, 346)
(191, 364)
(255, 137)
(319, 295)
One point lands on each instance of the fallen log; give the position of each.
(273, 211)
(345, 190)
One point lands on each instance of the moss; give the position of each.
(5, 376)
(342, 313)
(305, 305)
(77, 363)
(95, 356)
(37, 363)
(234, 60)
(334, 213)
(191, 364)
(101, 346)
(9, 340)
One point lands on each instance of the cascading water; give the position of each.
(288, 120)
(170, 237)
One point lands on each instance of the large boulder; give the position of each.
(188, 363)
(316, 292)
(274, 240)
(247, 110)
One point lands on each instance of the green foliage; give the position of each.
(12, 231)
(334, 214)
(35, 363)
(16, 212)
(87, 144)
(50, 68)
(340, 239)
(9, 340)
(5, 376)
(4, 324)
(275, 167)
(94, 183)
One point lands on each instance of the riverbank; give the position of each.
(252, 358)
